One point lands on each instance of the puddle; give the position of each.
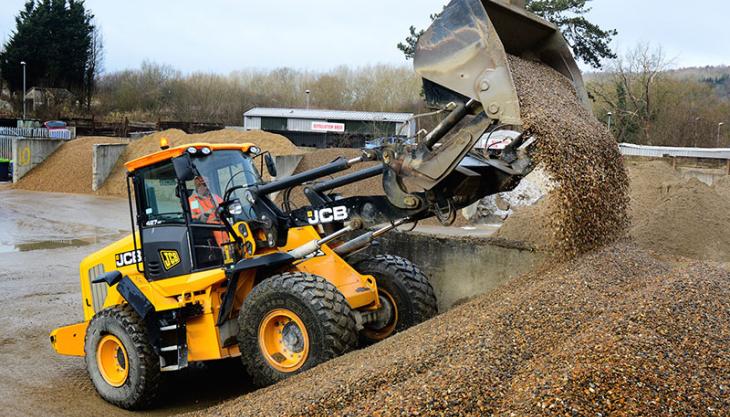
(47, 244)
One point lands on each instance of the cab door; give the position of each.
(163, 223)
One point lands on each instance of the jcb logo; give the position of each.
(128, 258)
(169, 258)
(327, 215)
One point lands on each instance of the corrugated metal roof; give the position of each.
(659, 151)
(317, 114)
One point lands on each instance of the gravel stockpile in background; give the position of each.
(116, 184)
(589, 206)
(614, 331)
(68, 170)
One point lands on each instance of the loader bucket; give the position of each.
(465, 51)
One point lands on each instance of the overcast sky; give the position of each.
(227, 35)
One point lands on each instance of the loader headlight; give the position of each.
(205, 151)
(235, 209)
(254, 150)
(192, 150)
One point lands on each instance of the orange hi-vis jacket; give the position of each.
(200, 206)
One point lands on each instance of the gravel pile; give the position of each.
(116, 184)
(589, 206)
(614, 331)
(68, 170)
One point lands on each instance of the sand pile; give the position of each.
(589, 206)
(722, 186)
(116, 184)
(615, 331)
(68, 170)
(649, 179)
(688, 219)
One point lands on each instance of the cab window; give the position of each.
(161, 203)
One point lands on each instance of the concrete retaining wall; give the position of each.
(287, 164)
(105, 156)
(706, 175)
(28, 153)
(461, 267)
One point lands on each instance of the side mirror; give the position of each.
(183, 167)
(270, 164)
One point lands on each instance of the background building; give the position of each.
(329, 128)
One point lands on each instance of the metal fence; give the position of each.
(662, 151)
(6, 147)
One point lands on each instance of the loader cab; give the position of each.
(177, 193)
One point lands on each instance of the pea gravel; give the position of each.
(614, 332)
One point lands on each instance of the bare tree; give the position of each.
(628, 90)
(653, 106)
(95, 65)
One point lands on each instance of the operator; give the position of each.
(203, 206)
(203, 203)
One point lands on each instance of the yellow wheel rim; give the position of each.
(387, 330)
(111, 357)
(283, 340)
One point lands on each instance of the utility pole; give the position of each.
(719, 126)
(23, 64)
(610, 114)
(307, 92)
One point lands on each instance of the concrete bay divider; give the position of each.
(29, 153)
(287, 164)
(460, 267)
(104, 157)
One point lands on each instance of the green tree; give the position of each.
(56, 38)
(589, 42)
(409, 46)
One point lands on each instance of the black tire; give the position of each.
(409, 289)
(323, 310)
(141, 385)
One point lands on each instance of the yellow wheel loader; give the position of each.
(213, 268)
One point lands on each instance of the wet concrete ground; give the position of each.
(43, 237)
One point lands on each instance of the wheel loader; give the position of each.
(214, 268)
